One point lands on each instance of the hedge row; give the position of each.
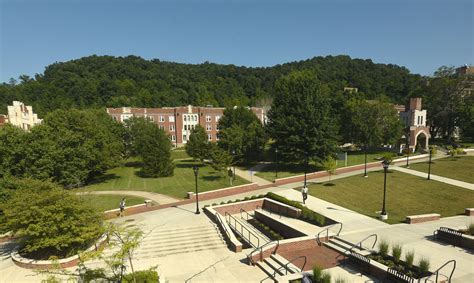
(306, 214)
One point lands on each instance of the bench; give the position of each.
(396, 276)
(413, 219)
(449, 235)
(360, 261)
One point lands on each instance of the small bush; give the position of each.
(409, 257)
(317, 273)
(424, 265)
(326, 278)
(229, 201)
(470, 229)
(306, 214)
(237, 200)
(253, 197)
(142, 276)
(246, 198)
(261, 196)
(207, 205)
(383, 247)
(397, 252)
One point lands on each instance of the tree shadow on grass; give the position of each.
(135, 164)
(102, 178)
(187, 164)
(329, 184)
(210, 178)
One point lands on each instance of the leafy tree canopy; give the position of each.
(198, 145)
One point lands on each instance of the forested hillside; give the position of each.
(99, 81)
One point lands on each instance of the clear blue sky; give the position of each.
(419, 34)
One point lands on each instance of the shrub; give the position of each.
(470, 229)
(253, 197)
(237, 200)
(229, 201)
(326, 278)
(306, 214)
(383, 247)
(409, 257)
(142, 276)
(207, 205)
(222, 202)
(397, 252)
(261, 196)
(317, 273)
(246, 198)
(424, 265)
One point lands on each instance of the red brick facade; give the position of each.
(179, 121)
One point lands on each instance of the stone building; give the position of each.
(22, 116)
(179, 121)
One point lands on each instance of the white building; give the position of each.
(22, 116)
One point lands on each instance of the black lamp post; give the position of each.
(408, 148)
(233, 164)
(365, 164)
(196, 170)
(385, 164)
(429, 164)
(305, 167)
(82, 273)
(276, 163)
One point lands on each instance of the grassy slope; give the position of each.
(406, 195)
(126, 178)
(459, 168)
(107, 202)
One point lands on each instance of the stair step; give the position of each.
(181, 244)
(183, 228)
(278, 268)
(267, 269)
(155, 255)
(176, 248)
(178, 238)
(181, 232)
(282, 261)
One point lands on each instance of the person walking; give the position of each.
(122, 207)
(304, 192)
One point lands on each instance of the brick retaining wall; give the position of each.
(414, 219)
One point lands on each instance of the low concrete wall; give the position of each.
(414, 219)
(288, 245)
(281, 208)
(469, 211)
(234, 208)
(129, 210)
(47, 264)
(232, 242)
(286, 230)
(226, 191)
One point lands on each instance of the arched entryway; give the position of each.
(421, 142)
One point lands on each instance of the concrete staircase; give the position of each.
(278, 269)
(162, 243)
(340, 245)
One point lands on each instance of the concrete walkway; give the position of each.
(454, 182)
(251, 178)
(158, 198)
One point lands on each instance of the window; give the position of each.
(217, 127)
(218, 118)
(185, 117)
(171, 128)
(208, 118)
(184, 138)
(208, 127)
(421, 120)
(185, 127)
(162, 127)
(173, 137)
(162, 118)
(171, 118)
(209, 137)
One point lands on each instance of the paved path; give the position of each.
(251, 178)
(454, 182)
(158, 198)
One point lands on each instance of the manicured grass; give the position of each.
(179, 154)
(406, 195)
(126, 178)
(460, 168)
(107, 202)
(293, 169)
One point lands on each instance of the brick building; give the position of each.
(414, 119)
(3, 120)
(179, 121)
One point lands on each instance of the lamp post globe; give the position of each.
(384, 214)
(196, 171)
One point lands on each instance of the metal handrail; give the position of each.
(241, 229)
(360, 243)
(437, 270)
(286, 265)
(261, 250)
(219, 219)
(248, 214)
(327, 232)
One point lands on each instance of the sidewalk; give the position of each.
(251, 178)
(158, 198)
(449, 181)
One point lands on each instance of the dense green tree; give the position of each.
(221, 160)
(301, 122)
(47, 220)
(153, 145)
(242, 134)
(198, 144)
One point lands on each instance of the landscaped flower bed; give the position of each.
(394, 261)
(267, 231)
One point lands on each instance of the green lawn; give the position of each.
(460, 168)
(179, 154)
(293, 169)
(107, 202)
(406, 195)
(126, 178)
